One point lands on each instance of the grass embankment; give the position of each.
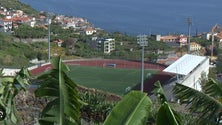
(18, 54)
(113, 80)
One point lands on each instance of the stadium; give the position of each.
(132, 68)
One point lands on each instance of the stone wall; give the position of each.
(30, 40)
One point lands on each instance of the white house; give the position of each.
(70, 25)
(89, 31)
(58, 42)
(181, 39)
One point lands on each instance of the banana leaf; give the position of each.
(165, 114)
(206, 104)
(57, 86)
(9, 88)
(133, 109)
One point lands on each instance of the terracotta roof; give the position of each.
(219, 35)
(194, 43)
(169, 37)
(58, 41)
(183, 37)
(42, 17)
(15, 19)
(89, 29)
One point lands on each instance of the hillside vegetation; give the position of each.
(17, 5)
(19, 54)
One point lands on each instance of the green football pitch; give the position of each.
(113, 80)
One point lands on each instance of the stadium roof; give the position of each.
(185, 64)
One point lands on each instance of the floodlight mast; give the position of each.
(49, 22)
(212, 41)
(142, 40)
(189, 23)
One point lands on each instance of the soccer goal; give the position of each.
(109, 65)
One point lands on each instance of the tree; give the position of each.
(157, 45)
(26, 31)
(9, 88)
(69, 44)
(63, 107)
(219, 64)
(96, 107)
(207, 104)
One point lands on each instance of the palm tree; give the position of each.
(206, 104)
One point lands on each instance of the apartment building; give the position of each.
(181, 40)
(194, 46)
(106, 45)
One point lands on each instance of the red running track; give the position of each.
(102, 63)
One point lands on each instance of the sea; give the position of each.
(139, 16)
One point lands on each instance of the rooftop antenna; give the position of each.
(189, 23)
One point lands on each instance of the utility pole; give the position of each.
(142, 40)
(189, 23)
(49, 22)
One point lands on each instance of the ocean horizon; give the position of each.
(138, 17)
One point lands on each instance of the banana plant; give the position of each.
(9, 87)
(165, 114)
(206, 104)
(63, 107)
(133, 109)
(97, 107)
